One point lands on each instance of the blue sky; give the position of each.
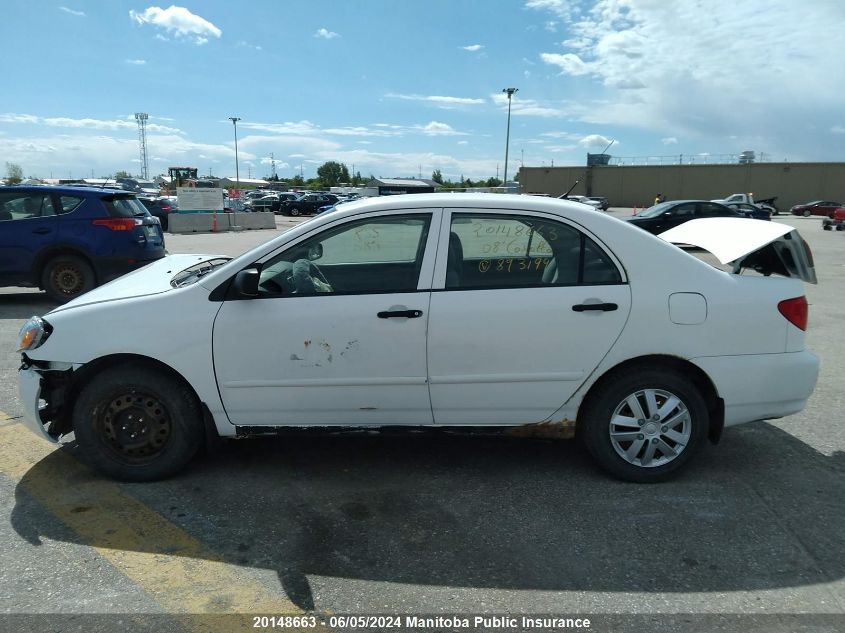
(400, 88)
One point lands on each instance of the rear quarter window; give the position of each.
(124, 207)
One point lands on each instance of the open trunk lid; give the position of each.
(767, 247)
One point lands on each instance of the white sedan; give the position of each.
(517, 313)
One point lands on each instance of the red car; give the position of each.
(817, 207)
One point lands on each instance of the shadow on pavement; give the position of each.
(763, 510)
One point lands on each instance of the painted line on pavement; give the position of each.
(179, 572)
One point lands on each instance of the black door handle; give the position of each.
(42, 231)
(407, 314)
(601, 307)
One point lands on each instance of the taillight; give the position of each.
(117, 224)
(795, 311)
(166, 207)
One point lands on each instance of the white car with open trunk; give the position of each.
(488, 311)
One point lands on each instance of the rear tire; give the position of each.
(646, 426)
(65, 277)
(294, 212)
(136, 424)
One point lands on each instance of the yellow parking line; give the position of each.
(179, 572)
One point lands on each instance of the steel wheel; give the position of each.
(137, 423)
(650, 428)
(134, 427)
(66, 277)
(806, 213)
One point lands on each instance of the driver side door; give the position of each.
(337, 333)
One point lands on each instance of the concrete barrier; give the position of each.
(204, 222)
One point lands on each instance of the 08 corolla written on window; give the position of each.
(498, 251)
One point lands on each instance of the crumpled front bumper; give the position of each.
(29, 387)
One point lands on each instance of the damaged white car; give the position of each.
(436, 310)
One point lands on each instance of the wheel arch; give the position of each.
(675, 364)
(91, 369)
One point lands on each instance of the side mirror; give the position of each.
(667, 214)
(315, 251)
(245, 283)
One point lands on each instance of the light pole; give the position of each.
(234, 121)
(509, 92)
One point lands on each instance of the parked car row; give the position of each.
(666, 215)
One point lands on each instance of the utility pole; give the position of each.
(234, 121)
(141, 118)
(510, 92)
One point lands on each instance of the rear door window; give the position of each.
(25, 206)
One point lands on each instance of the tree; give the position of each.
(296, 181)
(494, 182)
(437, 177)
(122, 174)
(331, 173)
(14, 173)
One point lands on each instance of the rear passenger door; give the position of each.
(28, 224)
(523, 308)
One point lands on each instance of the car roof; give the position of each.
(96, 191)
(476, 201)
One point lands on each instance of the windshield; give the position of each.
(196, 272)
(656, 210)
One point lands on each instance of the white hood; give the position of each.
(764, 246)
(152, 279)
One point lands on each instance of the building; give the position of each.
(636, 186)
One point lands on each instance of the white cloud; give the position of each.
(91, 124)
(533, 108)
(435, 128)
(177, 21)
(564, 9)
(80, 14)
(440, 101)
(569, 63)
(595, 141)
(669, 140)
(136, 62)
(472, 48)
(838, 129)
(326, 34)
(244, 44)
(308, 128)
(711, 86)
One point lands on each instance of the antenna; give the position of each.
(141, 118)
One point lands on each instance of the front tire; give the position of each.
(646, 426)
(806, 214)
(136, 424)
(65, 277)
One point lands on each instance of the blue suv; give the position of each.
(68, 240)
